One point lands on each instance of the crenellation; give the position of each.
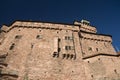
(53, 51)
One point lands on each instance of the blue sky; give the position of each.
(104, 14)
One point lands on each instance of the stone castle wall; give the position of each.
(49, 51)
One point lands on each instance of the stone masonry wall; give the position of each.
(31, 54)
(49, 51)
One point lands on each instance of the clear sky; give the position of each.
(104, 14)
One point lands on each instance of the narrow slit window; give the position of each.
(97, 49)
(12, 46)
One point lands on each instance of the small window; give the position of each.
(115, 71)
(68, 56)
(66, 38)
(90, 49)
(66, 48)
(39, 30)
(32, 45)
(59, 49)
(18, 36)
(59, 39)
(71, 56)
(38, 37)
(64, 55)
(55, 54)
(69, 47)
(96, 49)
(12, 46)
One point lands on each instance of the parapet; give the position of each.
(44, 25)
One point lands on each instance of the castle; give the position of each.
(32, 50)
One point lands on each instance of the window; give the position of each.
(39, 30)
(59, 39)
(68, 56)
(96, 49)
(90, 49)
(12, 46)
(32, 45)
(38, 37)
(55, 54)
(59, 49)
(66, 48)
(68, 38)
(69, 48)
(64, 55)
(115, 71)
(65, 37)
(18, 36)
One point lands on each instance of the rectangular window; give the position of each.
(69, 48)
(68, 38)
(66, 48)
(96, 49)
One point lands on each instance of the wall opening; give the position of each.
(97, 49)
(38, 37)
(12, 46)
(115, 71)
(68, 56)
(92, 76)
(89, 48)
(64, 55)
(55, 54)
(18, 36)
